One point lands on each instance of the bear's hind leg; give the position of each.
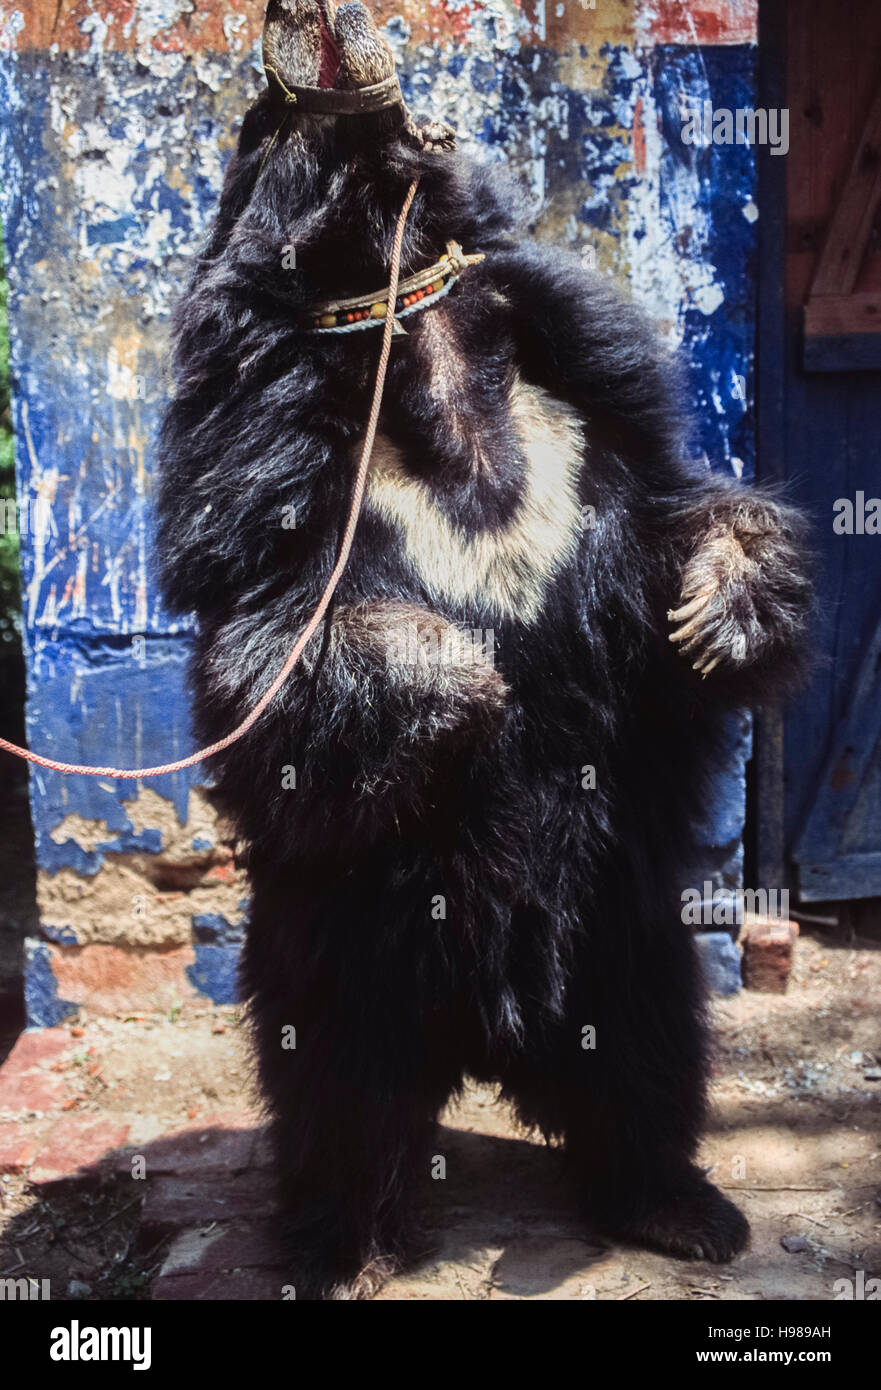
(350, 1088)
(635, 1148)
(622, 1081)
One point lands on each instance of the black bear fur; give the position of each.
(425, 779)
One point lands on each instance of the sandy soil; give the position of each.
(796, 1135)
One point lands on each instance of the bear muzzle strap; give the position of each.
(335, 101)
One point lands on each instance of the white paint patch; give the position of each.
(211, 73)
(507, 571)
(96, 30)
(100, 187)
(156, 16)
(665, 281)
(708, 298)
(43, 485)
(233, 24)
(497, 30)
(11, 26)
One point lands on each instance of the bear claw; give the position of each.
(698, 1224)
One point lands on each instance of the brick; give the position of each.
(37, 1046)
(239, 1286)
(20, 1094)
(768, 947)
(75, 1146)
(18, 1146)
(173, 1204)
(215, 1249)
(113, 979)
(216, 1144)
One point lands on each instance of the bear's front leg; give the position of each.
(745, 593)
(391, 701)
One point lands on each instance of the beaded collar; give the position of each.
(415, 293)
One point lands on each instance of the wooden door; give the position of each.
(820, 430)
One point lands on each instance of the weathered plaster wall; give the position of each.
(116, 119)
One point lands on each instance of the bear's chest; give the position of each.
(504, 567)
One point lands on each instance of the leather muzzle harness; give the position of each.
(339, 101)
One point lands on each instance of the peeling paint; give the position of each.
(45, 1007)
(120, 905)
(693, 22)
(154, 881)
(117, 118)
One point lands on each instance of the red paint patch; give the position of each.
(457, 19)
(168, 43)
(46, 23)
(443, 22)
(120, 12)
(714, 21)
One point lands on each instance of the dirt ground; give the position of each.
(795, 1135)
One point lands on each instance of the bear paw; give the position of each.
(718, 622)
(745, 593)
(697, 1223)
(340, 1280)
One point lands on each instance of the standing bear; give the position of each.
(469, 814)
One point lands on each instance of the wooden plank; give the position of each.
(818, 851)
(843, 352)
(830, 314)
(767, 845)
(851, 225)
(834, 58)
(828, 450)
(806, 101)
(851, 876)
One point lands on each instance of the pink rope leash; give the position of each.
(133, 774)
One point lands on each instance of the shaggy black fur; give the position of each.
(417, 781)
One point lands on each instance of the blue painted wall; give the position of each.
(115, 124)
